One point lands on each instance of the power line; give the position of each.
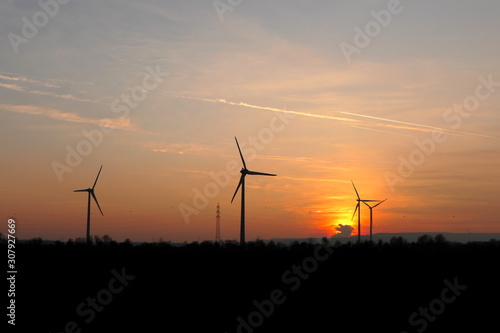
(217, 224)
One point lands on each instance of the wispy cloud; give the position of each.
(17, 77)
(304, 162)
(381, 131)
(43, 81)
(158, 10)
(38, 87)
(177, 148)
(117, 123)
(298, 159)
(11, 86)
(315, 179)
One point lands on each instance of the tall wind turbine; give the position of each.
(371, 215)
(91, 193)
(358, 209)
(244, 171)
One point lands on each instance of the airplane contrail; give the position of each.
(419, 125)
(403, 124)
(298, 113)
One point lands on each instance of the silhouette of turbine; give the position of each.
(358, 209)
(244, 171)
(371, 215)
(91, 193)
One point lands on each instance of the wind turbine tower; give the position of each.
(217, 224)
(371, 216)
(244, 171)
(358, 209)
(90, 191)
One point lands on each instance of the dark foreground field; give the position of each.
(397, 287)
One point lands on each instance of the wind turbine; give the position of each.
(244, 171)
(358, 209)
(91, 193)
(371, 215)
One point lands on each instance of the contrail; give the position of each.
(406, 125)
(418, 125)
(298, 113)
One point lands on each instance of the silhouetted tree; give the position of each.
(425, 240)
(126, 243)
(271, 244)
(398, 241)
(440, 239)
(106, 239)
(80, 240)
(230, 244)
(36, 241)
(259, 243)
(337, 244)
(207, 245)
(97, 240)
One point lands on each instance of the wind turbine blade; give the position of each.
(81, 190)
(242, 159)
(238, 187)
(97, 177)
(355, 210)
(380, 203)
(95, 199)
(370, 200)
(357, 194)
(260, 173)
(364, 201)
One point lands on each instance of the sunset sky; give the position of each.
(403, 98)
